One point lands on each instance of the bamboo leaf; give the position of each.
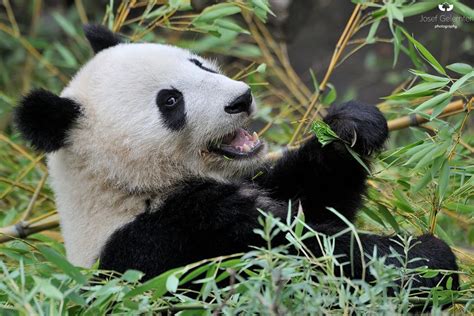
(425, 53)
(440, 98)
(62, 263)
(429, 77)
(464, 10)
(423, 87)
(417, 8)
(373, 30)
(217, 11)
(331, 96)
(323, 132)
(172, 283)
(460, 68)
(388, 216)
(443, 180)
(358, 159)
(461, 81)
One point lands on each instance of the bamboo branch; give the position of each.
(341, 44)
(415, 119)
(24, 229)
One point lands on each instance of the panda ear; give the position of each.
(100, 37)
(44, 119)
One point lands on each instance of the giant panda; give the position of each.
(153, 168)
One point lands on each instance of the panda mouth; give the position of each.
(238, 144)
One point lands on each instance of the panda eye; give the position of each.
(168, 98)
(171, 101)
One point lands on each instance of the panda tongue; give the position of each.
(241, 141)
(241, 138)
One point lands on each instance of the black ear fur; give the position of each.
(44, 119)
(100, 37)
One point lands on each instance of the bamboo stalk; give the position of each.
(24, 229)
(341, 44)
(415, 119)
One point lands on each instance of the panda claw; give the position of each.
(354, 138)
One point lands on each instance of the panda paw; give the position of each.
(362, 126)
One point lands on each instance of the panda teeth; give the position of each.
(254, 136)
(246, 148)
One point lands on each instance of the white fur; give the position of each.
(121, 153)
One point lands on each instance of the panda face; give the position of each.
(151, 113)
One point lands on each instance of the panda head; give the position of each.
(144, 115)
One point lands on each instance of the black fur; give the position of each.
(204, 218)
(174, 116)
(44, 119)
(100, 37)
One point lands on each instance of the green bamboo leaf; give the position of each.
(180, 4)
(397, 14)
(331, 96)
(459, 207)
(65, 25)
(132, 276)
(61, 262)
(429, 77)
(68, 57)
(443, 180)
(425, 53)
(172, 283)
(323, 132)
(423, 87)
(464, 10)
(401, 202)
(418, 8)
(373, 216)
(460, 68)
(387, 215)
(262, 68)
(314, 80)
(423, 150)
(45, 287)
(428, 104)
(461, 81)
(216, 11)
(229, 25)
(358, 159)
(157, 284)
(438, 109)
(438, 150)
(373, 30)
(397, 45)
(422, 183)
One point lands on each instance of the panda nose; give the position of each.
(241, 104)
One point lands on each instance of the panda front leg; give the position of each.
(329, 176)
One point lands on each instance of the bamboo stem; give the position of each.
(24, 229)
(415, 119)
(341, 44)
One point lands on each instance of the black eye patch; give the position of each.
(170, 102)
(200, 65)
